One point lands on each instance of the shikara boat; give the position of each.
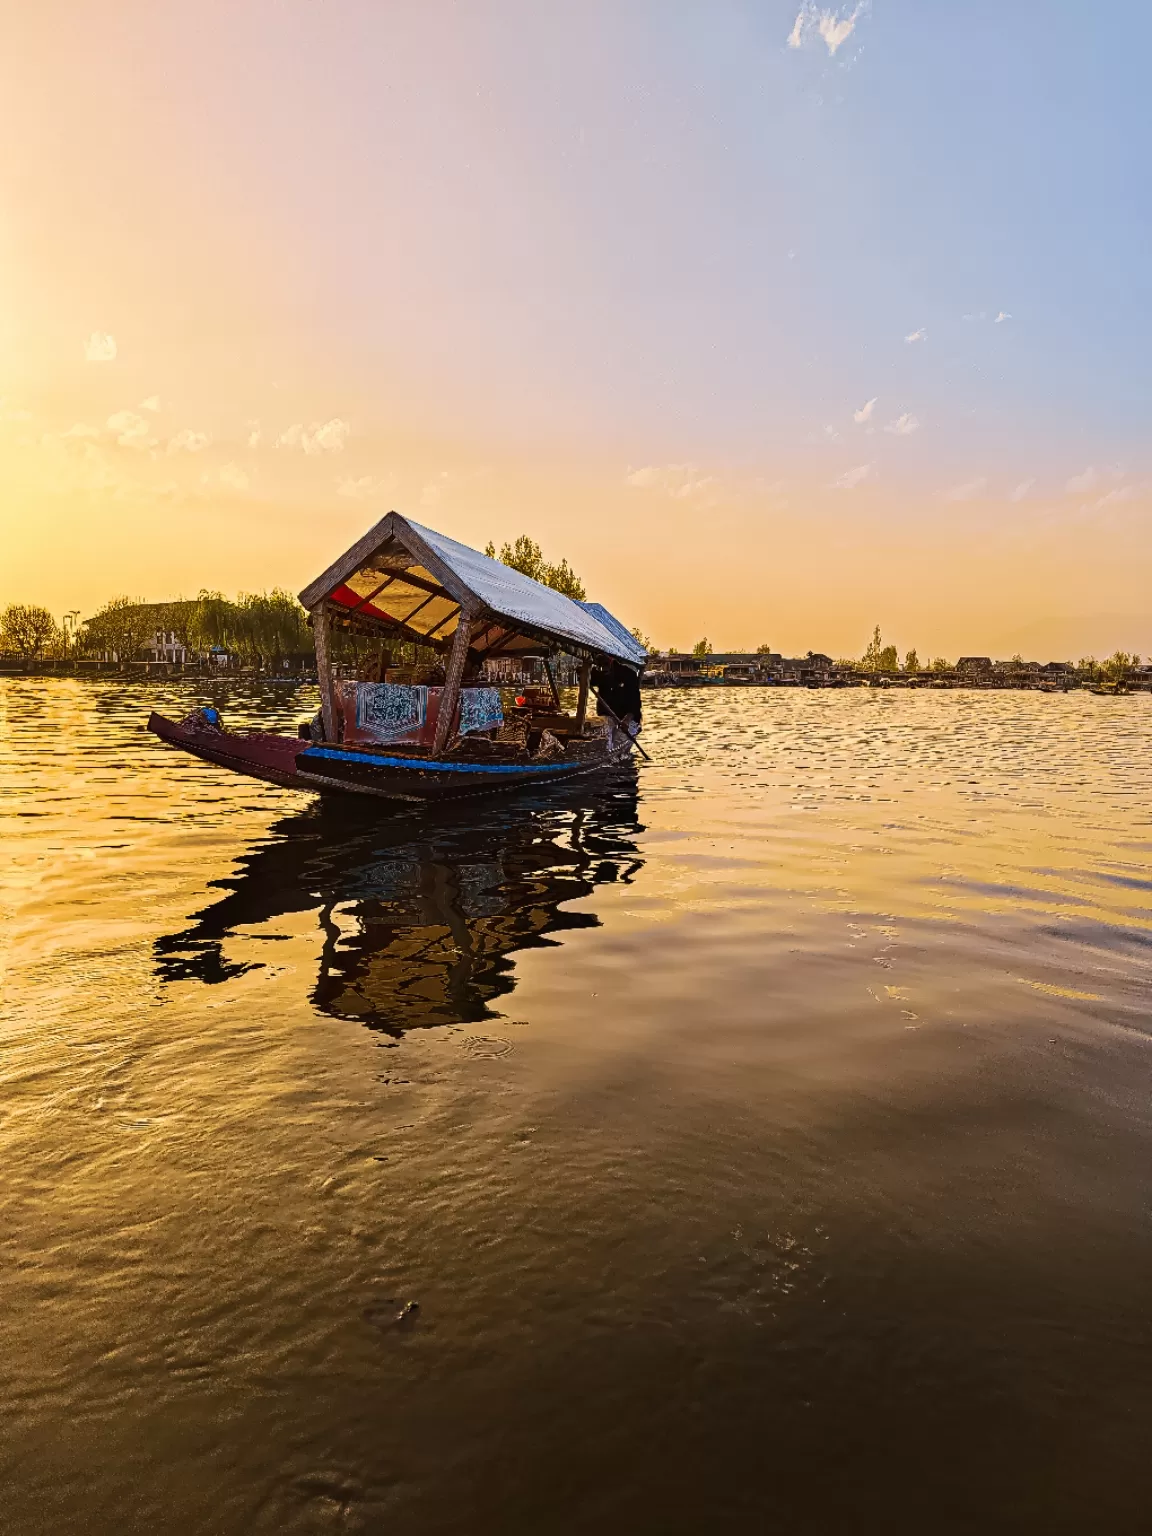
(406, 741)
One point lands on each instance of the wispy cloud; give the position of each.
(1001, 317)
(831, 26)
(320, 437)
(677, 480)
(255, 436)
(1084, 482)
(131, 431)
(904, 426)
(233, 477)
(865, 412)
(852, 478)
(187, 441)
(920, 335)
(357, 488)
(151, 404)
(1113, 498)
(100, 348)
(969, 490)
(80, 431)
(1022, 489)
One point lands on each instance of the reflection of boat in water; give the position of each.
(419, 915)
(446, 736)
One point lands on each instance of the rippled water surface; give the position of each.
(764, 1139)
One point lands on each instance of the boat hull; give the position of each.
(297, 764)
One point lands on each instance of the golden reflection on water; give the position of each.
(786, 1100)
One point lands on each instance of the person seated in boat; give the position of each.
(618, 695)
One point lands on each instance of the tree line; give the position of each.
(260, 628)
(257, 627)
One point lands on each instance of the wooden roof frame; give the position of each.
(393, 527)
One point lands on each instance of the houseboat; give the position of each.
(444, 734)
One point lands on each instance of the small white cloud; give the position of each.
(330, 438)
(679, 481)
(232, 476)
(831, 26)
(865, 412)
(1085, 482)
(320, 437)
(904, 425)
(151, 404)
(852, 478)
(1001, 317)
(80, 432)
(255, 436)
(131, 431)
(101, 347)
(1022, 489)
(920, 335)
(187, 441)
(969, 490)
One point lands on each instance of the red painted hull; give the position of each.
(260, 754)
(297, 764)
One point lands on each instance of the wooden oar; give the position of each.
(614, 716)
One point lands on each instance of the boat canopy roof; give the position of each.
(407, 580)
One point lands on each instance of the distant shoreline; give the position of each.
(144, 674)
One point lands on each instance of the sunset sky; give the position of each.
(776, 324)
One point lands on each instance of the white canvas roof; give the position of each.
(404, 576)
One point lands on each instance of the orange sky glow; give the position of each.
(268, 272)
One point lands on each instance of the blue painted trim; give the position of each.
(311, 753)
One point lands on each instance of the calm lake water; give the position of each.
(765, 1138)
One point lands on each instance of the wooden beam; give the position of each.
(321, 633)
(548, 673)
(444, 621)
(582, 701)
(450, 693)
(371, 596)
(349, 562)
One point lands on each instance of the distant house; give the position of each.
(164, 646)
(974, 664)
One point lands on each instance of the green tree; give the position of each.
(702, 647)
(527, 557)
(764, 650)
(1118, 666)
(122, 627)
(27, 629)
(911, 663)
(870, 661)
(938, 664)
(642, 639)
(1088, 665)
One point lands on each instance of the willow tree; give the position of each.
(122, 627)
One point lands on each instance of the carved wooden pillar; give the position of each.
(321, 633)
(450, 693)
